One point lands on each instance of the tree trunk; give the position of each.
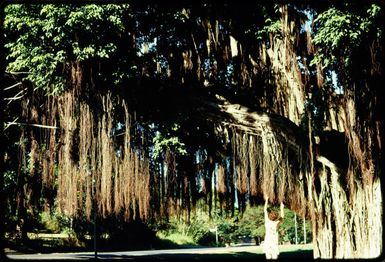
(340, 229)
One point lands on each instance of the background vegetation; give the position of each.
(55, 232)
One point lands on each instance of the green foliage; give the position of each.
(252, 223)
(182, 233)
(248, 226)
(42, 39)
(50, 222)
(31, 50)
(271, 26)
(268, 21)
(169, 142)
(54, 222)
(339, 32)
(161, 144)
(226, 228)
(287, 229)
(10, 179)
(198, 228)
(176, 238)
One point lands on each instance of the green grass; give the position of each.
(177, 238)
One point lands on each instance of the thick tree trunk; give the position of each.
(342, 229)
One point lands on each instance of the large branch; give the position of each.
(221, 111)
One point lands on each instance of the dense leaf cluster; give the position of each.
(44, 39)
(339, 32)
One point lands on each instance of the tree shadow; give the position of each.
(234, 256)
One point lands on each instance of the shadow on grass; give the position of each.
(44, 246)
(32, 246)
(297, 254)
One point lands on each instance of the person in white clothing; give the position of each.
(272, 221)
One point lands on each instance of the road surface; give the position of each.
(240, 252)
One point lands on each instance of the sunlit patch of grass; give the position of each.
(177, 238)
(33, 235)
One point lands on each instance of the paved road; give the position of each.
(241, 252)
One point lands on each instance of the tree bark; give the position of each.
(340, 229)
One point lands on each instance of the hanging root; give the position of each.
(269, 167)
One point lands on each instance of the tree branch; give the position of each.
(220, 110)
(8, 124)
(12, 86)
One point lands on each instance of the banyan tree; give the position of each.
(139, 109)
